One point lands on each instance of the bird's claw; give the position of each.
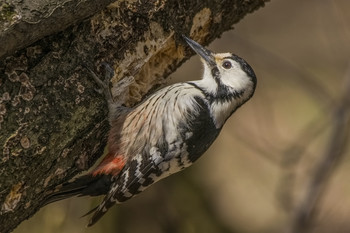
(103, 84)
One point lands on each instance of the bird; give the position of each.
(164, 133)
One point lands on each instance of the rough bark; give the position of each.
(53, 124)
(24, 22)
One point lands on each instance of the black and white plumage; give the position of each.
(166, 132)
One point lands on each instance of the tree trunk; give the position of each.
(53, 123)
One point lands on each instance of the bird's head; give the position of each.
(225, 74)
(228, 81)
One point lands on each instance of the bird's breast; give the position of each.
(201, 132)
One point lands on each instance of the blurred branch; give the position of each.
(335, 151)
(309, 133)
(313, 88)
(264, 151)
(291, 157)
(306, 80)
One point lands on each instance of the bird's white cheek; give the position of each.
(235, 79)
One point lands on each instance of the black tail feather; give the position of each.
(90, 212)
(86, 185)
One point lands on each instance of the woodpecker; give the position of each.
(165, 133)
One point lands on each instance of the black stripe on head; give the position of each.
(215, 72)
(245, 67)
(223, 93)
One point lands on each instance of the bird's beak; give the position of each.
(206, 54)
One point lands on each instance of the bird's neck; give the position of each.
(222, 100)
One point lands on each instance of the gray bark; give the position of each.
(24, 22)
(53, 124)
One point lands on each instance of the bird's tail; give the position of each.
(87, 185)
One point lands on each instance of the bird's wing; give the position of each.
(147, 131)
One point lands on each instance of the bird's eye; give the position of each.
(227, 65)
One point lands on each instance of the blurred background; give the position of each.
(281, 163)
